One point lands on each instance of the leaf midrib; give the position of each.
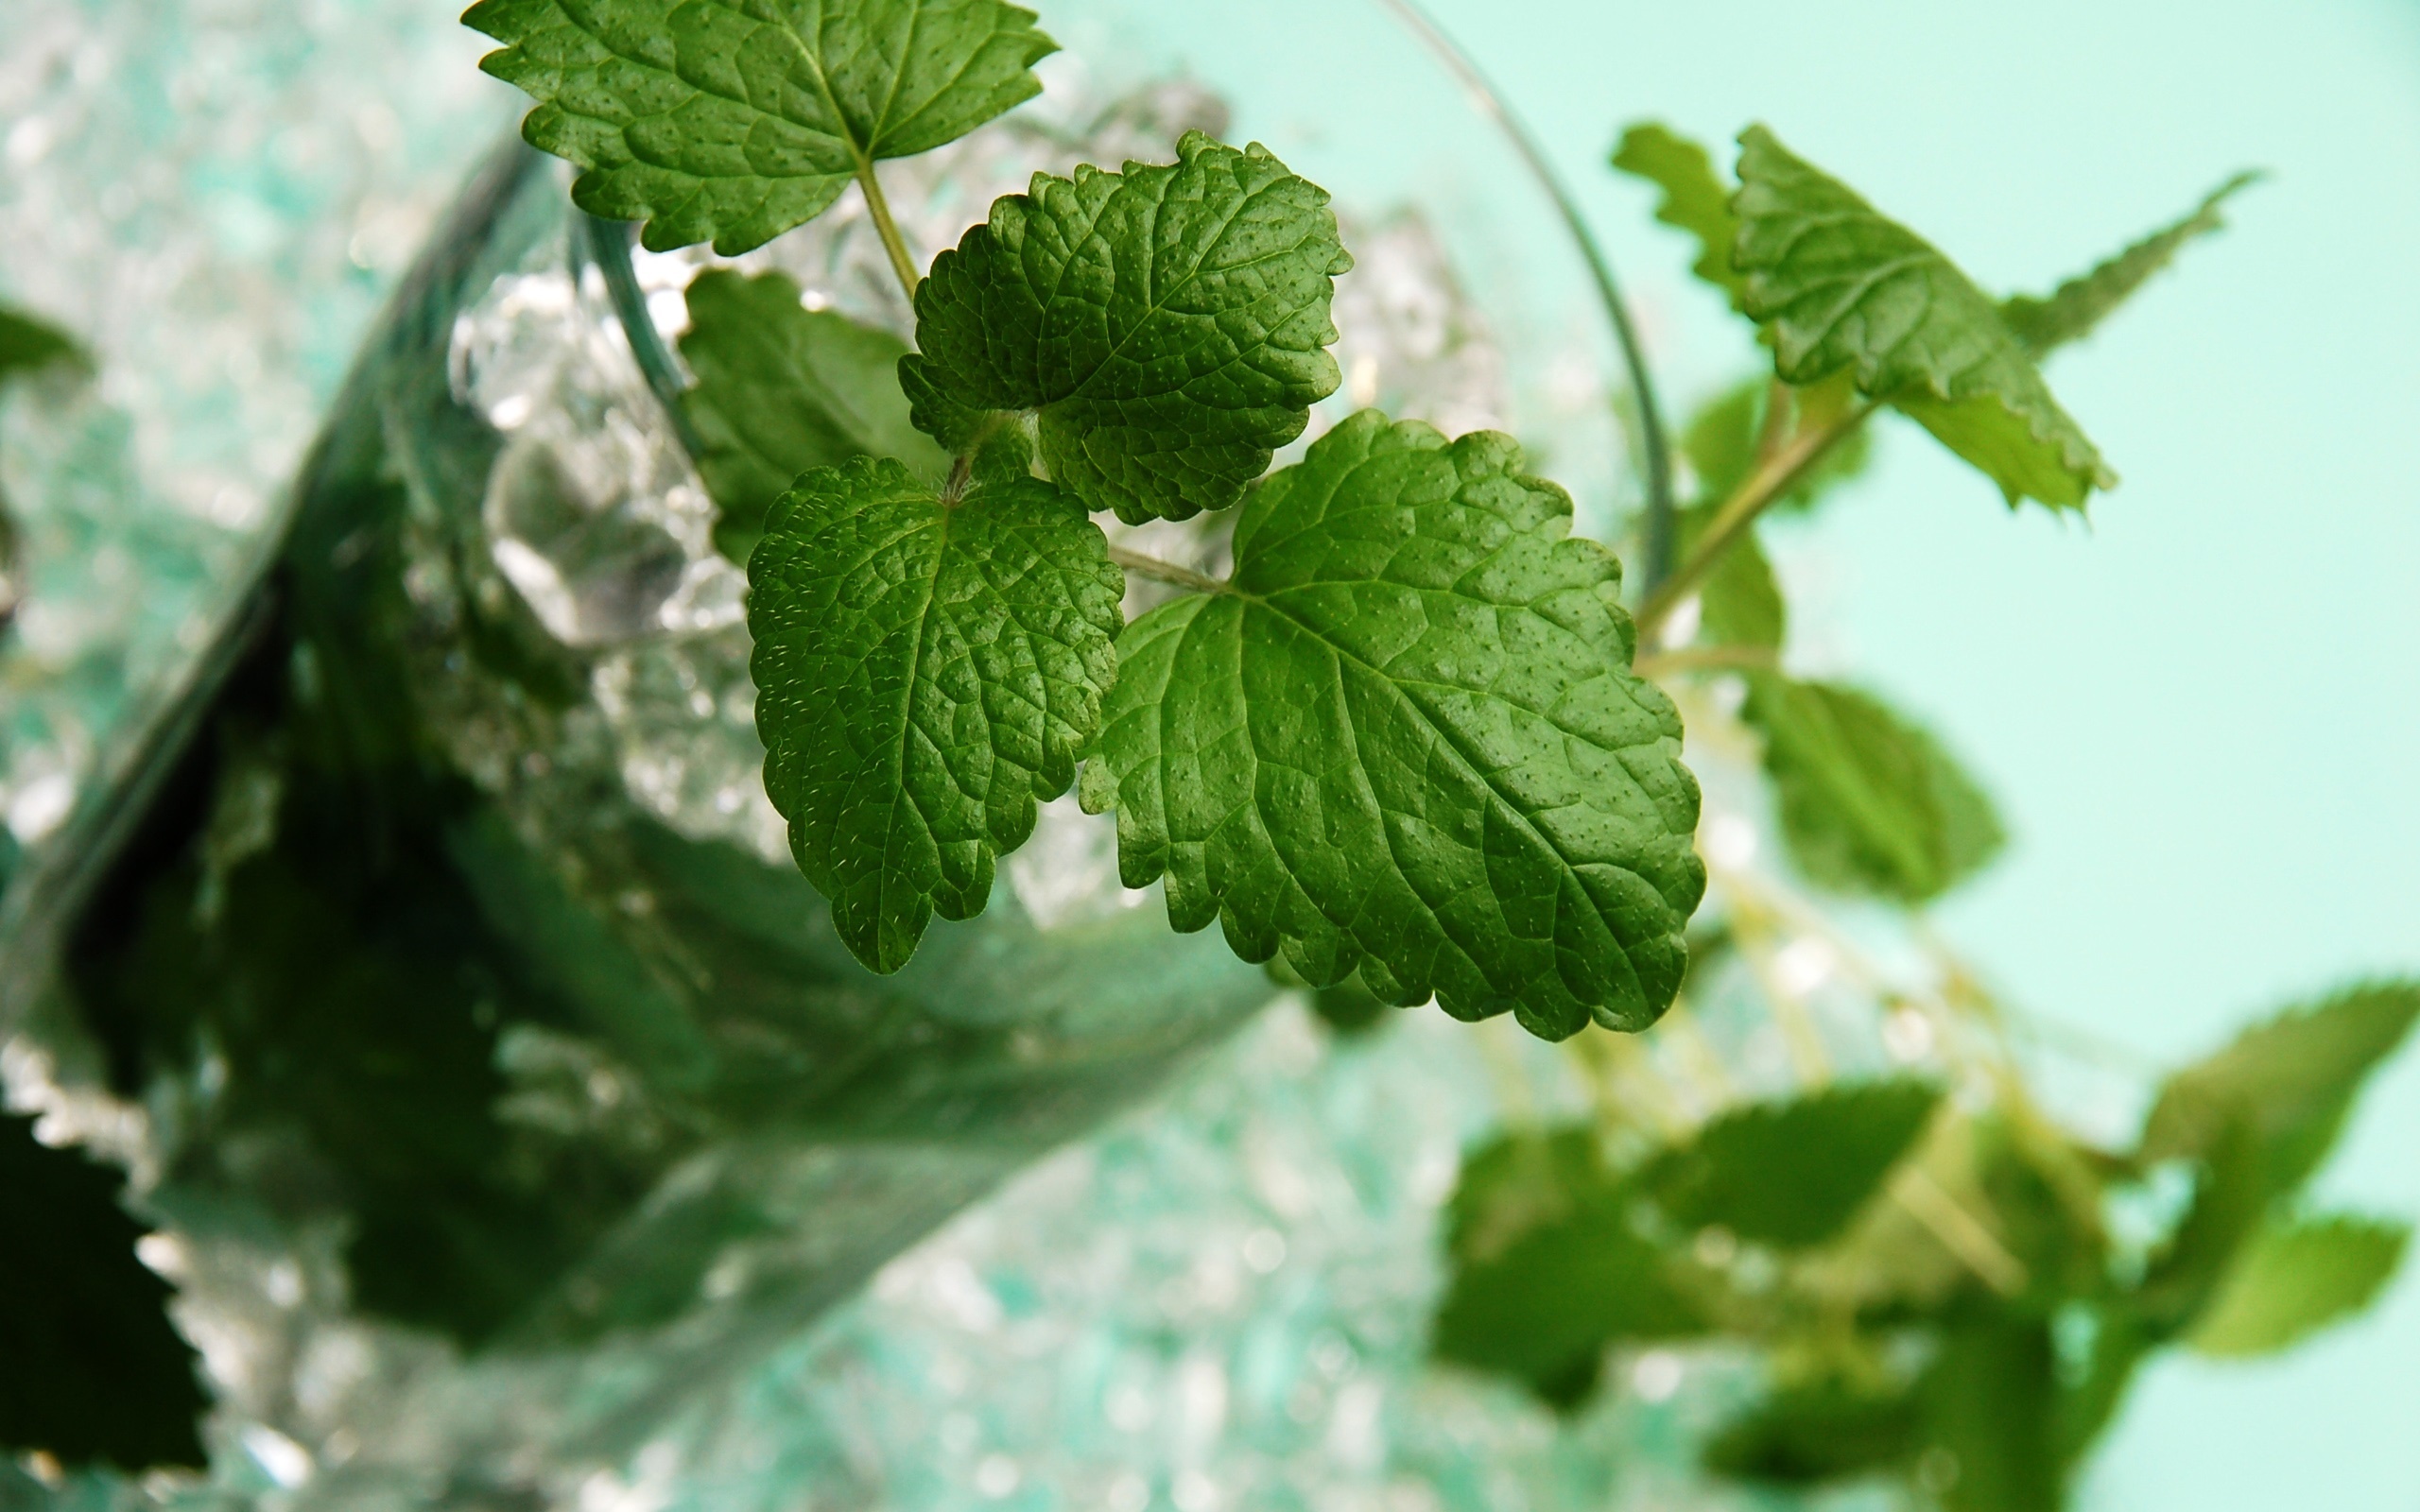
(1447, 736)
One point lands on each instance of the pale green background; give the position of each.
(2199, 712)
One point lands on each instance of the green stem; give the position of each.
(896, 245)
(1775, 476)
(609, 243)
(1166, 572)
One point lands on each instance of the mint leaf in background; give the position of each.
(1823, 1431)
(1519, 1181)
(1548, 1267)
(2296, 1277)
(1792, 1173)
(27, 345)
(1869, 802)
(732, 121)
(1721, 438)
(928, 672)
(2291, 1079)
(1694, 197)
(1167, 325)
(1840, 287)
(96, 1371)
(1406, 739)
(2070, 311)
(1739, 599)
(783, 389)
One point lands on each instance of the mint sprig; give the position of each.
(1165, 327)
(932, 665)
(732, 121)
(1405, 738)
(1838, 287)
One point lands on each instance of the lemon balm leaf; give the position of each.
(928, 670)
(1695, 199)
(2069, 312)
(1838, 287)
(1793, 1172)
(2296, 1277)
(732, 121)
(1406, 739)
(2289, 1080)
(1166, 327)
(1870, 802)
(783, 389)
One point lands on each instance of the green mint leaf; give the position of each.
(1821, 1431)
(732, 121)
(1521, 1180)
(1168, 326)
(2293, 1080)
(1792, 1174)
(95, 1371)
(1869, 802)
(1694, 197)
(2070, 311)
(928, 672)
(1549, 1266)
(1838, 287)
(27, 345)
(1406, 739)
(783, 389)
(2296, 1277)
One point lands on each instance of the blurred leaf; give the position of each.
(90, 1367)
(1740, 602)
(27, 345)
(1696, 199)
(1988, 1404)
(1350, 1008)
(782, 389)
(1558, 1296)
(1719, 440)
(2292, 1078)
(1710, 944)
(1793, 1172)
(2296, 1277)
(1841, 288)
(2229, 1197)
(1826, 1431)
(1869, 802)
(1547, 1267)
(2070, 311)
(1520, 1181)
